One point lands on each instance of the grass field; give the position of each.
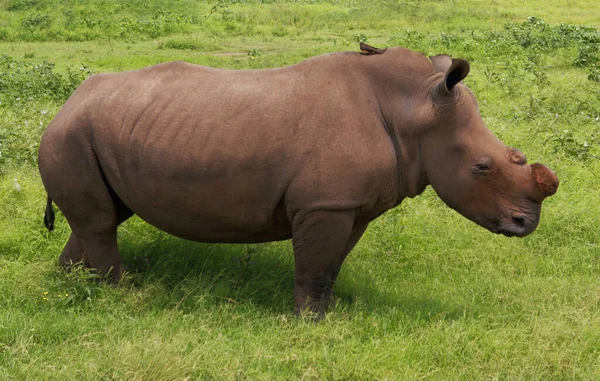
(426, 294)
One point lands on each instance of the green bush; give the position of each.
(28, 93)
(36, 21)
(587, 55)
(21, 80)
(189, 44)
(51, 20)
(4, 34)
(20, 5)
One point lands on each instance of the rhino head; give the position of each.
(470, 169)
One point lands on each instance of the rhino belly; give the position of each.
(206, 202)
(217, 211)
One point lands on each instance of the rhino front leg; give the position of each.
(357, 233)
(320, 241)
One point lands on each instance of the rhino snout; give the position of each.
(524, 220)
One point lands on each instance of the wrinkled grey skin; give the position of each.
(312, 152)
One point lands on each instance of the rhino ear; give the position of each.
(441, 63)
(456, 70)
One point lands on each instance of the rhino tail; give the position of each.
(49, 215)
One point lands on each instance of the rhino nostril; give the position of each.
(518, 220)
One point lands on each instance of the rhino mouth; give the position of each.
(507, 233)
(518, 225)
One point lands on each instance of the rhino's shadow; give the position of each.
(191, 276)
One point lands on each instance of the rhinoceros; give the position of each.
(311, 152)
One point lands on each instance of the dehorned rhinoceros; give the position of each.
(311, 152)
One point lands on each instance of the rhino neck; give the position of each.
(411, 176)
(401, 82)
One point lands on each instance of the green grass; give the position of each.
(426, 294)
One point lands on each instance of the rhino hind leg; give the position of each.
(321, 240)
(72, 254)
(76, 184)
(94, 218)
(93, 241)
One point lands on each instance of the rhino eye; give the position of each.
(483, 166)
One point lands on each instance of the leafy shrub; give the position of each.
(566, 142)
(20, 132)
(29, 95)
(254, 53)
(19, 5)
(359, 37)
(36, 21)
(528, 33)
(179, 44)
(594, 73)
(412, 39)
(587, 56)
(4, 34)
(189, 45)
(280, 31)
(98, 20)
(20, 80)
(448, 39)
(536, 33)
